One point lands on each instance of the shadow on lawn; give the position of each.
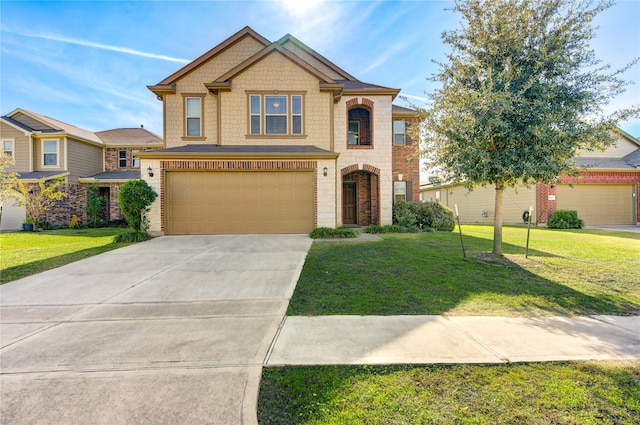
(10, 274)
(427, 275)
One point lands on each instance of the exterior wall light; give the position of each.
(150, 171)
(325, 170)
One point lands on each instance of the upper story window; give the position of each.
(275, 114)
(193, 115)
(50, 153)
(7, 147)
(122, 159)
(359, 131)
(399, 132)
(135, 161)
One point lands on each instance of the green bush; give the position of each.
(423, 215)
(127, 237)
(565, 219)
(328, 232)
(135, 198)
(393, 228)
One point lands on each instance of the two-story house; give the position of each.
(271, 137)
(44, 148)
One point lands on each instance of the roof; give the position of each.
(57, 125)
(116, 175)
(298, 52)
(244, 151)
(604, 163)
(129, 137)
(39, 175)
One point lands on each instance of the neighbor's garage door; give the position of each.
(598, 204)
(221, 202)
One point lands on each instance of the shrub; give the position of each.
(94, 205)
(565, 219)
(126, 237)
(134, 198)
(328, 232)
(403, 214)
(390, 228)
(424, 215)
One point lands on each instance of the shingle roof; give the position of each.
(129, 137)
(37, 175)
(71, 130)
(608, 163)
(117, 175)
(360, 85)
(396, 108)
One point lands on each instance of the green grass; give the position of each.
(569, 272)
(543, 393)
(27, 253)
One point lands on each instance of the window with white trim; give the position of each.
(122, 159)
(193, 116)
(399, 191)
(7, 148)
(275, 114)
(398, 132)
(50, 153)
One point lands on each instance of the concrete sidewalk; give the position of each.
(324, 340)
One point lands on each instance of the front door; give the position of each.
(349, 203)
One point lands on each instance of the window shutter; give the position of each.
(407, 133)
(409, 191)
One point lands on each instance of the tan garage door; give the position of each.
(598, 204)
(221, 202)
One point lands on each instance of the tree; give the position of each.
(36, 201)
(135, 198)
(95, 202)
(521, 92)
(6, 178)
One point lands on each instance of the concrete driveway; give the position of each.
(170, 331)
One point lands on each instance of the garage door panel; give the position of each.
(599, 204)
(239, 202)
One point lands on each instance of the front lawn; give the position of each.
(569, 272)
(536, 393)
(27, 253)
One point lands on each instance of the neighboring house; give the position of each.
(606, 193)
(271, 137)
(45, 148)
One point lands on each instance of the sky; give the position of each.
(88, 63)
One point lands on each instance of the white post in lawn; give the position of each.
(464, 254)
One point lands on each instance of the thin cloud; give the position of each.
(105, 47)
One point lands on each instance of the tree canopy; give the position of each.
(520, 93)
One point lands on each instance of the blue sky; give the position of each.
(88, 63)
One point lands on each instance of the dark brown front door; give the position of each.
(349, 203)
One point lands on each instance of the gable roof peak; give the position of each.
(288, 38)
(243, 33)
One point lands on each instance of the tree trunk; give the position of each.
(497, 221)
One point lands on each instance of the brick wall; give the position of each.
(405, 161)
(61, 212)
(112, 159)
(364, 117)
(367, 193)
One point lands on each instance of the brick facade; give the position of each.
(405, 161)
(367, 196)
(112, 158)
(546, 207)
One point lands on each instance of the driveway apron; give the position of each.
(170, 331)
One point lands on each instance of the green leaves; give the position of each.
(135, 198)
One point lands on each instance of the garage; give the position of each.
(599, 204)
(239, 202)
